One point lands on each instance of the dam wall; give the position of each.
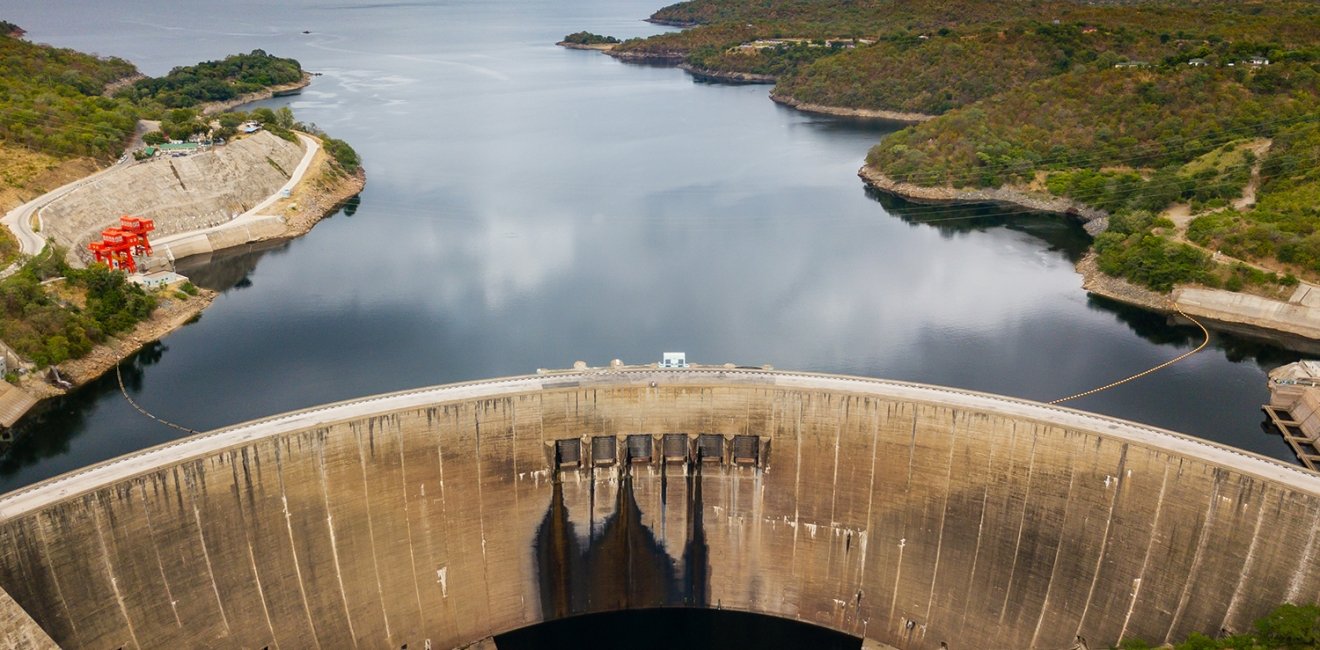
(916, 516)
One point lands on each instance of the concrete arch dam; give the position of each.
(910, 515)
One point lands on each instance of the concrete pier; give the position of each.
(909, 515)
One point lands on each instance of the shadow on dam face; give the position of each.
(650, 602)
(915, 516)
(624, 566)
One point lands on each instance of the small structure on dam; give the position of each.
(915, 516)
(1294, 408)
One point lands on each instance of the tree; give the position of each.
(284, 117)
(1291, 626)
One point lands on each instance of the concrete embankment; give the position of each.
(1093, 220)
(917, 516)
(856, 113)
(180, 194)
(323, 189)
(1293, 324)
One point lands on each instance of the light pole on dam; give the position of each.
(915, 516)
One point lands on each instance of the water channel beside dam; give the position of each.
(911, 515)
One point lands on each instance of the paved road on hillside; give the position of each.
(30, 242)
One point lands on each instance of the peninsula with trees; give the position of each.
(1185, 135)
(171, 149)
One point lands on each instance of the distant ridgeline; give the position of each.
(65, 103)
(1129, 106)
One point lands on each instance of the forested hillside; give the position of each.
(54, 101)
(1138, 141)
(51, 100)
(935, 73)
(213, 81)
(1117, 116)
(1146, 109)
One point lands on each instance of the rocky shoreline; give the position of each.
(1119, 290)
(684, 24)
(320, 202)
(706, 74)
(599, 47)
(856, 113)
(1093, 220)
(1294, 324)
(211, 108)
(172, 313)
(655, 58)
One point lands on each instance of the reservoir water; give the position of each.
(528, 206)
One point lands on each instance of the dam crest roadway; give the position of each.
(910, 515)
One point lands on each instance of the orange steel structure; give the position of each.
(120, 244)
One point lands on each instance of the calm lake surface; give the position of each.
(528, 206)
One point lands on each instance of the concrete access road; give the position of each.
(168, 243)
(19, 220)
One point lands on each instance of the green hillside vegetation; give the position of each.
(1208, 181)
(1129, 140)
(935, 73)
(853, 17)
(50, 323)
(50, 100)
(776, 60)
(1284, 225)
(934, 55)
(588, 38)
(1132, 117)
(1289, 21)
(1288, 627)
(213, 81)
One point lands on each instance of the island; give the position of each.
(118, 154)
(588, 41)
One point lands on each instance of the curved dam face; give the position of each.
(911, 515)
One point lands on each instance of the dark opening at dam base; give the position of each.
(690, 629)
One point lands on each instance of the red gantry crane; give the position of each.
(119, 245)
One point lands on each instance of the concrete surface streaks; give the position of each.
(909, 515)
